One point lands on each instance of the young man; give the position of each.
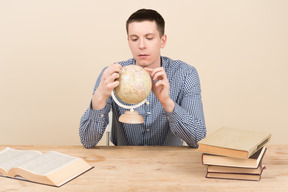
(174, 112)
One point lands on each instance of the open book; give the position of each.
(52, 168)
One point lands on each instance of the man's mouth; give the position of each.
(143, 55)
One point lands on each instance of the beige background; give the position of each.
(51, 53)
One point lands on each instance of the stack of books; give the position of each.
(234, 154)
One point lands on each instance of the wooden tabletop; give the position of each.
(154, 169)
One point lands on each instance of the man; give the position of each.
(174, 112)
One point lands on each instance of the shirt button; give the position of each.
(148, 113)
(148, 130)
(102, 115)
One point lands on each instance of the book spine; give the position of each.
(202, 158)
(259, 146)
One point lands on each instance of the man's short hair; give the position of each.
(147, 15)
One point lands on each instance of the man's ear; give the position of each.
(163, 40)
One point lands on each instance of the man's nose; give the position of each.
(142, 44)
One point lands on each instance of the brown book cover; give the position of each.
(252, 162)
(233, 173)
(52, 168)
(235, 170)
(234, 142)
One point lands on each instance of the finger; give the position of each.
(159, 75)
(149, 70)
(114, 76)
(110, 80)
(156, 70)
(153, 71)
(115, 67)
(112, 85)
(160, 83)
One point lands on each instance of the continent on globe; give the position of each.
(135, 84)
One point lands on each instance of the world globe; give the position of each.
(135, 84)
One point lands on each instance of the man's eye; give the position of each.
(150, 38)
(134, 39)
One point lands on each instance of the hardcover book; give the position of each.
(52, 168)
(252, 162)
(235, 170)
(234, 142)
(218, 172)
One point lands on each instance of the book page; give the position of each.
(11, 158)
(47, 163)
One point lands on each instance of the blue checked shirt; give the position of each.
(159, 127)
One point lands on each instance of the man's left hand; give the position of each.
(161, 87)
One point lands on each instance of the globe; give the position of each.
(135, 84)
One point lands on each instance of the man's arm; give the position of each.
(186, 119)
(107, 84)
(95, 119)
(92, 126)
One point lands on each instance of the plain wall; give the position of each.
(52, 51)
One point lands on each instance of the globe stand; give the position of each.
(131, 116)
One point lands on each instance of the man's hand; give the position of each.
(161, 87)
(106, 86)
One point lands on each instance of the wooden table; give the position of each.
(154, 169)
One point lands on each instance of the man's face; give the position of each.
(145, 43)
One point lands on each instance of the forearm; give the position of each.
(95, 120)
(98, 100)
(92, 127)
(189, 127)
(168, 105)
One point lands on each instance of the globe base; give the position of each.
(131, 117)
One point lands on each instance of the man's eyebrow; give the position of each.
(134, 35)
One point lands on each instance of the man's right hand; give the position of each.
(106, 86)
